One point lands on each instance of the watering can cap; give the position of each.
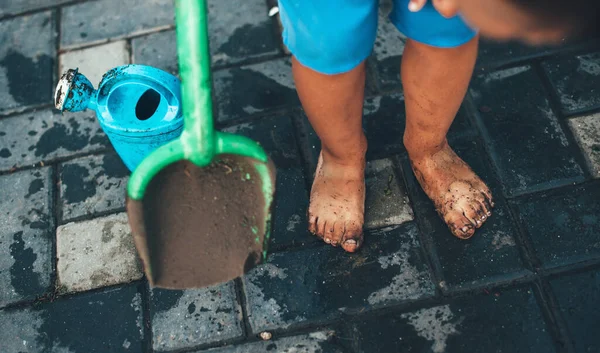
(73, 92)
(63, 88)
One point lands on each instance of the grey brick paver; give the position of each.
(576, 80)
(9, 7)
(507, 321)
(25, 235)
(526, 142)
(578, 297)
(158, 50)
(94, 62)
(27, 57)
(92, 185)
(96, 253)
(303, 287)
(98, 21)
(387, 203)
(46, 135)
(240, 30)
(252, 89)
(108, 321)
(587, 133)
(184, 319)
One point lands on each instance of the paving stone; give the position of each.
(493, 54)
(586, 130)
(387, 203)
(15, 7)
(388, 49)
(92, 185)
(239, 31)
(236, 33)
(96, 253)
(276, 135)
(188, 318)
(291, 203)
(578, 297)
(564, 226)
(46, 135)
(97, 21)
(503, 322)
(491, 255)
(158, 50)
(253, 89)
(25, 235)
(27, 54)
(527, 145)
(109, 321)
(320, 341)
(326, 281)
(576, 81)
(94, 62)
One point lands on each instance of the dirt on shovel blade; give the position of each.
(200, 226)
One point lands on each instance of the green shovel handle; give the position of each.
(199, 142)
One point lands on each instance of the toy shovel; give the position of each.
(199, 206)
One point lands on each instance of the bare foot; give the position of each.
(460, 197)
(337, 204)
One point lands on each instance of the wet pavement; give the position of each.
(70, 280)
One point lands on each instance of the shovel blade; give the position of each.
(197, 227)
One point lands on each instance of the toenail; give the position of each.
(484, 217)
(465, 229)
(327, 240)
(350, 242)
(489, 213)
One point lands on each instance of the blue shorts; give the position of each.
(334, 36)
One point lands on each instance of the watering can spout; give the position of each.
(74, 93)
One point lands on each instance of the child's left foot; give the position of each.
(460, 197)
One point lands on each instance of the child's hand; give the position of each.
(416, 5)
(448, 9)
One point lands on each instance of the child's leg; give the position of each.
(435, 82)
(334, 105)
(437, 66)
(330, 41)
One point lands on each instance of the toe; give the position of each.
(488, 197)
(338, 232)
(488, 204)
(312, 223)
(483, 204)
(320, 226)
(329, 235)
(460, 225)
(481, 215)
(353, 238)
(470, 213)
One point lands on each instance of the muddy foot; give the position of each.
(459, 195)
(337, 204)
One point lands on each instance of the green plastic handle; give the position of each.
(199, 142)
(199, 139)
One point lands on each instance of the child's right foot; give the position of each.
(337, 204)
